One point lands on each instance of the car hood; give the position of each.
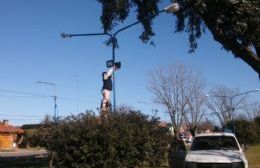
(214, 156)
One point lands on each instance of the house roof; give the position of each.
(10, 129)
(30, 126)
(163, 124)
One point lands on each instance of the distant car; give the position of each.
(215, 150)
(189, 139)
(181, 136)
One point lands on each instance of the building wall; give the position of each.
(6, 141)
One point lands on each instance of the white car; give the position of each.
(215, 150)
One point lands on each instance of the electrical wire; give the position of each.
(7, 96)
(28, 95)
(37, 95)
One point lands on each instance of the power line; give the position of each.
(24, 93)
(72, 99)
(7, 96)
(38, 95)
(23, 115)
(28, 95)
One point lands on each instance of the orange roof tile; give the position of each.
(10, 129)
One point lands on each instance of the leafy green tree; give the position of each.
(46, 140)
(257, 127)
(235, 24)
(30, 137)
(245, 131)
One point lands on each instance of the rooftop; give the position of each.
(6, 128)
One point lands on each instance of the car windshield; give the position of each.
(214, 143)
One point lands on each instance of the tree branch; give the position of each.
(244, 53)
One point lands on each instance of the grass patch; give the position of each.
(253, 155)
(22, 162)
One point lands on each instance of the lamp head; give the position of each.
(65, 35)
(174, 7)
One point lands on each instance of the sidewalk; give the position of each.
(24, 153)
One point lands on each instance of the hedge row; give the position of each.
(125, 140)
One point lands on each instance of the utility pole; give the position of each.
(55, 115)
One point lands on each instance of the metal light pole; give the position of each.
(231, 107)
(112, 41)
(54, 97)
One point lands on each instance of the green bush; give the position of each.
(30, 139)
(31, 136)
(244, 130)
(257, 128)
(124, 140)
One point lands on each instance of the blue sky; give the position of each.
(31, 49)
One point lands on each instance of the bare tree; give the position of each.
(205, 125)
(225, 104)
(175, 88)
(252, 111)
(196, 104)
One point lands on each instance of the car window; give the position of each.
(214, 143)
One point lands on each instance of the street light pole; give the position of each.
(173, 8)
(54, 97)
(231, 107)
(114, 45)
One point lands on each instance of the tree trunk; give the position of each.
(51, 158)
(192, 131)
(19, 141)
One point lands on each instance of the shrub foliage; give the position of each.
(124, 140)
(245, 131)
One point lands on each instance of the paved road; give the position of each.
(24, 153)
